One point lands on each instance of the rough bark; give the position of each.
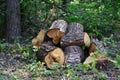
(44, 49)
(60, 24)
(74, 55)
(74, 35)
(13, 29)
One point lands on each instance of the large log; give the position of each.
(49, 54)
(56, 55)
(73, 54)
(57, 30)
(75, 36)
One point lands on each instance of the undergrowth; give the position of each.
(39, 70)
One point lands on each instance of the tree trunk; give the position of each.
(13, 29)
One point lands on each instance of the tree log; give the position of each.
(57, 30)
(74, 36)
(44, 49)
(90, 49)
(49, 54)
(37, 41)
(73, 55)
(56, 55)
(86, 39)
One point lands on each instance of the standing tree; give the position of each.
(13, 29)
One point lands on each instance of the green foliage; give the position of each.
(94, 15)
(98, 17)
(118, 60)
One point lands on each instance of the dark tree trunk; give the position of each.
(13, 29)
(64, 3)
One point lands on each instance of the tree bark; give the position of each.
(73, 36)
(74, 55)
(71, 42)
(13, 29)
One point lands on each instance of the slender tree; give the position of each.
(13, 28)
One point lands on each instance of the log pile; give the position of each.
(63, 44)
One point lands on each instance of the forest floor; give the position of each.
(15, 66)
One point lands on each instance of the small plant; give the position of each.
(118, 61)
(82, 67)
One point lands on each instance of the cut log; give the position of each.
(60, 24)
(57, 30)
(86, 39)
(49, 54)
(99, 45)
(73, 55)
(56, 55)
(92, 47)
(39, 39)
(97, 57)
(55, 34)
(75, 36)
(44, 49)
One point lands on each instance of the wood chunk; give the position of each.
(55, 34)
(49, 54)
(99, 45)
(44, 49)
(59, 24)
(56, 55)
(57, 30)
(86, 39)
(35, 42)
(73, 55)
(73, 36)
(92, 47)
(39, 38)
(95, 57)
